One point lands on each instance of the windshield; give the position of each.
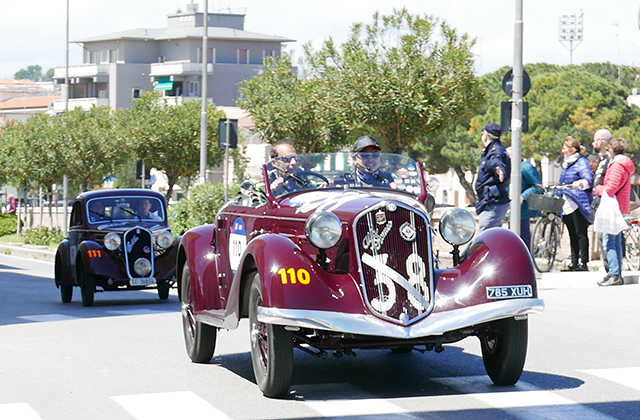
(305, 172)
(118, 209)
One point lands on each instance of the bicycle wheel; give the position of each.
(631, 239)
(544, 244)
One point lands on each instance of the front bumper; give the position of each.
(434, 324)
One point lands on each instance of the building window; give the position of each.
(243, 56)
(267, 53)
(94, 57)
(135, 93)
(194, 88)
(210, 55)
(113, 56)
(161, 59)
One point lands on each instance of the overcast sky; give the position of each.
(33, 32)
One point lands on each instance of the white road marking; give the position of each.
(169, 406)
(625, 376)
(48, 317)
(523, 400)
(138, 312)
(18, 411)
(360, 403)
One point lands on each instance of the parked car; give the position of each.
(118, 240)
(336, 265)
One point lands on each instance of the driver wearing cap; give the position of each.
(366, 154)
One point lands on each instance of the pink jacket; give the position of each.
(616, 181)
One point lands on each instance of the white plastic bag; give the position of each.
(608, 218)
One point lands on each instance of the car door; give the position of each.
(76, 229)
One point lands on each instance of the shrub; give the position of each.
(44, 236)
(7, 224)
(200, 208)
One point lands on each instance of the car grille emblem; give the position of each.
(146, 250)
(373, 239)
(407, 232)
(391, 207)
(131, 243)
(381, 217)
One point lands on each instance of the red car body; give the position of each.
(378, 286)
(83, 259)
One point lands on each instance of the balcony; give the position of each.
(177, 68)
(84, 103)
(93, 71)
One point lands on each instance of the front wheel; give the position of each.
(545, 240)
(87, 289)
(271, 349)
(504, 349)
(163, 289)
(199, 338)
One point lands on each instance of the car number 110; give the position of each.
(291, 275)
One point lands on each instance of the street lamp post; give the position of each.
(571, 30)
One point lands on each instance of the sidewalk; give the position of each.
(33, 252)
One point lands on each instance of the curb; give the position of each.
(28, 251)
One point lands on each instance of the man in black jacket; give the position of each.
(494, 172)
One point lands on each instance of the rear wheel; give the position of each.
(544, 244)
(199, 338)
(504, 350)
(66, 292)
(271, 349)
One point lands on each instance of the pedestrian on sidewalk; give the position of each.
(601, 139)
(494, 173)
(576, 211)
(616, 183)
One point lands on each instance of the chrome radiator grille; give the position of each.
(394, 257)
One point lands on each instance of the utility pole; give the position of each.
(203, 112)
(517, 109)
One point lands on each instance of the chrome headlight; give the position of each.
(112, 241)
(457, 226)
(323, 229)
(142, 266)
(164, 239)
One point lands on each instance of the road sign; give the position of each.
(507, 83)
(505, 116)
(231, 130)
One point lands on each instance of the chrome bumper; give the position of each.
(434, 324)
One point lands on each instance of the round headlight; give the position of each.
(112, 241)
(142, 266)
(457, 226)
(324, 229)
(164, 239)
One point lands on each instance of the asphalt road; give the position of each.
(124, 358)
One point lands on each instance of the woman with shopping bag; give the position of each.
(616, 185)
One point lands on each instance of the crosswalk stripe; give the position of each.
(48, 317)
(629, 377)
(139, 312)
(360, 403)
(18, 411)
(169, 406)
(523, 400)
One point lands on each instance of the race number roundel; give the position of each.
(237, 243)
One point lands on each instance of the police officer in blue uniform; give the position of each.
(493, 179)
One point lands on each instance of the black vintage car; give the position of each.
(118, 240)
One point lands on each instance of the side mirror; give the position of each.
(432, 186)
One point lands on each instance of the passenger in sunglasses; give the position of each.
(366, 154)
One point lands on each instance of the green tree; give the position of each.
(167, 137)
(31, 72)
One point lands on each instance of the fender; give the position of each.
(292, 279)
(497, 257)
(96, 260)
(63, 273)
(195, 249)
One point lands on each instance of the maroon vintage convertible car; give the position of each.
(344, 259)
(118, 240)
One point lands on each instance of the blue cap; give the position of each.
(493, 129)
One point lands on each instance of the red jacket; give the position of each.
(617, 181)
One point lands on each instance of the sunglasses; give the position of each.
(285, 159)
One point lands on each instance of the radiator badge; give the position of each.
(381, 217)
(373, 239)
(407, 232)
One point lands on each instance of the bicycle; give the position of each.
(547, 232)
(631, 242)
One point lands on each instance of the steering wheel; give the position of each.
(313, 179)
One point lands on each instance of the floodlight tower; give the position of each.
(571, 30)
